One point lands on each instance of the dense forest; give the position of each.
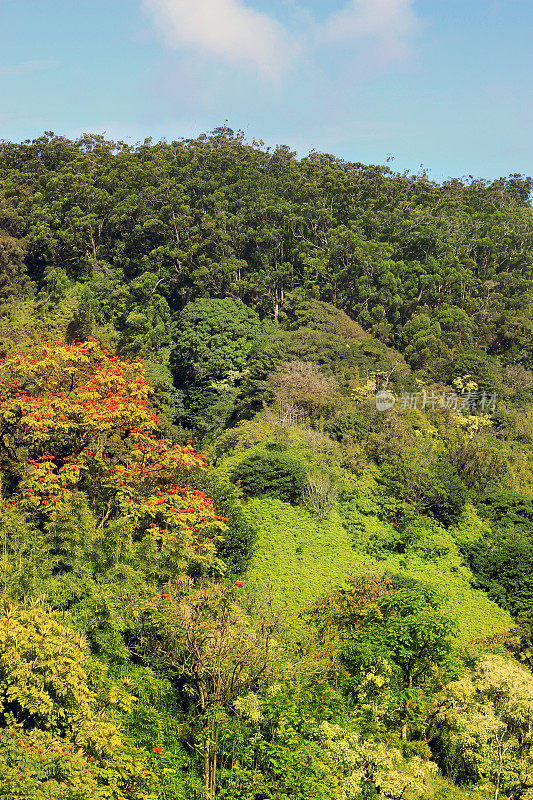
(266, 471)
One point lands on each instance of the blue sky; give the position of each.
(447, 84)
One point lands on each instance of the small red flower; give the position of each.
(165, 595)
(158, 750)
(239, 583)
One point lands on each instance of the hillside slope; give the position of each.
(302, 559)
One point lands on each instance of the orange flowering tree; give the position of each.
(77, 426)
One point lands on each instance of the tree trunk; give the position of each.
(207, 782)
(499, 773)
(213, 761)
(499, 742)
(211, 730)
(207, 725)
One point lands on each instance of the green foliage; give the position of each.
(484, 722)
(237, 544)
(520, 641)
(43, 677)
(430, 483)
(69, 537)
(44, 680)
(502, 564)
(370, 535)
(353, 424)
(148, 229)
(272, 474)
(24, 555)
(314, 450)
(158, 718)
(484, 369)
(318, 316)
(301, 558)
(502, 560)
(479, 461)
(13, 280)
(296, 554)
(476, 615)
(145, 331)
(167, 400)
(271, 746)
(274, 759)
(39, 766)
(211, 344)
(366, 768)
(25, 322)
(412, 628)
(231, 271)
(213, 338)
(394, 650)
(219, 645)
(327, 348)
(59, 711)
(423, 339)
(96, 606)
(508, 510)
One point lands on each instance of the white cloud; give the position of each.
(389, 23)
(224, 28)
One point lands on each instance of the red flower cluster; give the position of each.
(158, 750)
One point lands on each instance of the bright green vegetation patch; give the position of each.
(302, 558)
(476, 616)
(298, 556)
(439, 788)
(430, 556)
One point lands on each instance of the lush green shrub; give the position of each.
(432, 485)
(38, 766)
(503, 567)
(44, 679)
(213, 337)
(271, 474)
(212, 340)
(507, 510)
(354, 424)
(482, 368)
(398, 646)
(502, 560)
(319, 316)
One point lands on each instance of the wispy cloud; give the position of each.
(389, 24)
(25, 67)
(225, 28)
(372, 33)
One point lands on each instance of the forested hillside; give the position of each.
(266, 463)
